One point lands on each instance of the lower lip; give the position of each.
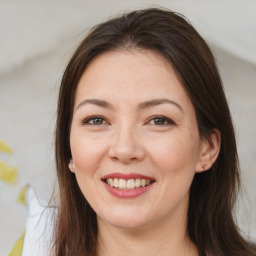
(131, 193)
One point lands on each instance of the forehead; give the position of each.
(134, 75)
(140, 63)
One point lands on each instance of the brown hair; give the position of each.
(213, 193)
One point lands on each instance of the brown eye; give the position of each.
(95, 120)
(161, 121)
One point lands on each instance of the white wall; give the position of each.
(36, 40)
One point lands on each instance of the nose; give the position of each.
(126, 145)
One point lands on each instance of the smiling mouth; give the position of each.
(129, 184)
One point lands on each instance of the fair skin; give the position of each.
(133, 117)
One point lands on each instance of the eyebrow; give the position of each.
(100, 103)
(141, 106)
(156, 102)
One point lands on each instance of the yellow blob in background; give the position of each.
(5, 148)
(8, 174)
(22, 196)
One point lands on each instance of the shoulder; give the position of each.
(37, 239)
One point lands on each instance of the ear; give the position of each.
(209, 151)
(71, 165)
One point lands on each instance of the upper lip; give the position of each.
(126, 176)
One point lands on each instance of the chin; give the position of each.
(127, 224)
(125, 221)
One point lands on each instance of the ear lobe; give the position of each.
(210, 148)
(71, 165)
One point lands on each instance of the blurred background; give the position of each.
(37, 39)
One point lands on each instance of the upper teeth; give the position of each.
(127, 184)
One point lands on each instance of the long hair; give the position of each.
(213, 193)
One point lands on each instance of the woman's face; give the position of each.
(134, 139)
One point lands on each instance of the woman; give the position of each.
(145, 148)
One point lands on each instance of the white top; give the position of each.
(39, 227)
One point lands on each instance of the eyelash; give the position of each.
(166, 120)
(92, 118)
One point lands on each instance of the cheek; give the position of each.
(86, 151)
(175, 154)
(175, 160)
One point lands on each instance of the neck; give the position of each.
(162, 239)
